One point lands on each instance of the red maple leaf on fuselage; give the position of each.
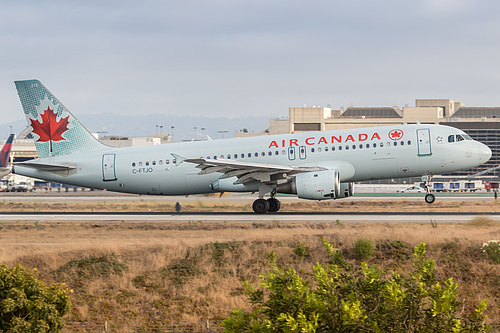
(396, 134)
(49, 129)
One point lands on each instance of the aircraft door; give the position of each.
(291, 153)
(108, 167)
(424, 142)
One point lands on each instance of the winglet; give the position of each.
(5, 152)
(178, 158)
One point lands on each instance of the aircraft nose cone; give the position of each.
(484, 153)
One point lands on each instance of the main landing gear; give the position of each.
(271, 205)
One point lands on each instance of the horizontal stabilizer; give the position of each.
(47, 167)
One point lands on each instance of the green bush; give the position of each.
(345, 298)
(300, 251)
(492, 250)
(28, 304)
(364, 248)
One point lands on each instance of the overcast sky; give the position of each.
(249, 57)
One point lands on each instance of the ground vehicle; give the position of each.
(20, 187)
(413, 189)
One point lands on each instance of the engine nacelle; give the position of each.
(318, 185)
(346, 190)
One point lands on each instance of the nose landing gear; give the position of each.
(429, 197)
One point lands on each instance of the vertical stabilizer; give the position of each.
(5, 152)
(55, 130)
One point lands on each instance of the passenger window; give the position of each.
(147, 163)
(340, 147)
(333, 148)
(236, 155)
(409, 142)
(374, 145)
(243, 156)
(154, 163)
(367, 145)
(283, 152)
(160, 162)
(270, 153)
(167, 162)
(140, 163)
(319, 149)
(402, 143)
(222, 156)
(395, 143)
(174, 161)
(263, 154)
(312, 150)
(228, 156)
(346, 147)
(360, 146)
(353, 146)
(276, 152)
(215, 157)
(133, 164)
(382, 144)
(256, 154)
(451, 138)
(326, 148)
(249, 154)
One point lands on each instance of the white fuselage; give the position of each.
(358, 154)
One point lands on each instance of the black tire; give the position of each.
(274, 205)
(430, 198)
(260, 206)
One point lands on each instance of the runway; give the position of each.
(152, 217)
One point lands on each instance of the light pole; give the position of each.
(172, 127)
(222, 132)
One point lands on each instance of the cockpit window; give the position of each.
(451, 138)
(459, 138)
(467, 137)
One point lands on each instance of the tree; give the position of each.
(345, 298)
(30, 305)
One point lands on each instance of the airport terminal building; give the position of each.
(481, 123)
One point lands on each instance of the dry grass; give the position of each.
(191, 274)
(230, 205)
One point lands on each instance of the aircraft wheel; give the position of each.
(274, 205)
(260, 206)
(430, 198)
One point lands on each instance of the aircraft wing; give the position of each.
(247, 172)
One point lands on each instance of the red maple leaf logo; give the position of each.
(49, 129)
(395, 134)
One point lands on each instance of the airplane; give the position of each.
(313, 165)
(5, 156)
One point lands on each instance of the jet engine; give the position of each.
(318, 185)
(346, 190)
